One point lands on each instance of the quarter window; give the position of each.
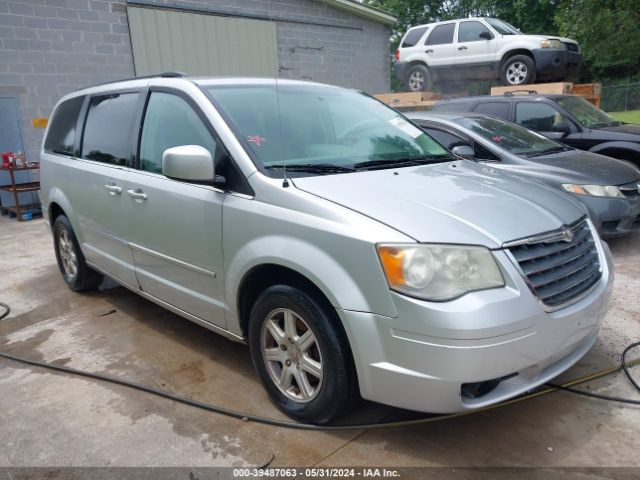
(107, 132)
(62, 132)
(441, 35)
(470, 32)
(169, 122)
(538, 116)
(413, 36)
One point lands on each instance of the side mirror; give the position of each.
(562, 127)
(464, 151)
(485, 35)
(188, 162)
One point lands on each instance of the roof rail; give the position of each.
(528, 92)
(156, 75)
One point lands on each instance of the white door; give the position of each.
(176, 226)
(439, 46)
(471, 48)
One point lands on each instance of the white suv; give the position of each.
(482, 49)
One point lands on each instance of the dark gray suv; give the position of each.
(568, 118)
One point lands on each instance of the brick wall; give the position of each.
(51, 47)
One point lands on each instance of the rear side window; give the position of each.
(62, 132)
(169, 122)
(497, 109)
(413, 36)
(107, 132)
(441, 35)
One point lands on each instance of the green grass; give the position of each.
(632, 116)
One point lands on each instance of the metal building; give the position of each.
(51, 47)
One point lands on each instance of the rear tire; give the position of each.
(418, 79)
(301, 354)
(78, 276)
(518, 70)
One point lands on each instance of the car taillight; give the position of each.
(397, 54)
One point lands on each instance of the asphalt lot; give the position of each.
(50, 419)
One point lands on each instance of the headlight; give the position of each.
(439, 272)
(594, 190)
(546, 43)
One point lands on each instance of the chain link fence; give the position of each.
(620, 98)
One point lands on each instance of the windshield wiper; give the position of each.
(401, 162)
(312, 168)
(606, 124)
(548, 151)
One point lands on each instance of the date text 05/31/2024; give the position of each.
(316, 472)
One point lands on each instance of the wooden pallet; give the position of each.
(590, 91)
(409, 100)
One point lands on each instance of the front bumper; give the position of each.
(557, 63)
(421, 359)
(613, 216)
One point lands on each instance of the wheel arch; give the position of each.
(622, 150)
(512, 53)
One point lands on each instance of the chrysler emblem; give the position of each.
(567, 234)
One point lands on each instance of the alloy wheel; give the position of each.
(517, 73)
(291, 354)
(416, 80)
(67, 253)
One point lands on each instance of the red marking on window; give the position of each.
(257, 139)
(497, 138)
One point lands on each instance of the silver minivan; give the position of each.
(353, 253)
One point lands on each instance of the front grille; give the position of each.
(630, 189)
(560, 271)
(572, 47)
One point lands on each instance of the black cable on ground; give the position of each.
(625, 368)
(305, 426)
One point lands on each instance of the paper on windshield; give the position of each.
(406, 127)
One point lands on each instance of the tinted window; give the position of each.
(441, 34)
(62, 132)
(447, 139)
(413, 36)
(451, 141)
(107, 132)
(497, 109)
(169, 121)
(470, 32)
(538, 116)
(451, 107)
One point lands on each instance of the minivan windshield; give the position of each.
(503, 28)
(586, 113)
(321, 129)
(512, 137)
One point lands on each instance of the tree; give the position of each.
(608, 32)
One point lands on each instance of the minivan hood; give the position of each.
(454, 202)
(587, 168)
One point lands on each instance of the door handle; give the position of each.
(113, 189)
(137, 194)
(463, 47)
(428, 51)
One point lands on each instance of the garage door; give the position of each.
(167, 40)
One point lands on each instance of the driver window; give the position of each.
(169, 121)
(538, 116)
(451, 141)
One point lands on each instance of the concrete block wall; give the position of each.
(51, 47)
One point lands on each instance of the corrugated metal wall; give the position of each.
(200, 44)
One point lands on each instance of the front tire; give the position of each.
(78, 276)
(518, 70)
(418, 79)
(301, 354)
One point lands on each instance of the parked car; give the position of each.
(349, 249)
(569, 119)
(482, 49)
(609, 188)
